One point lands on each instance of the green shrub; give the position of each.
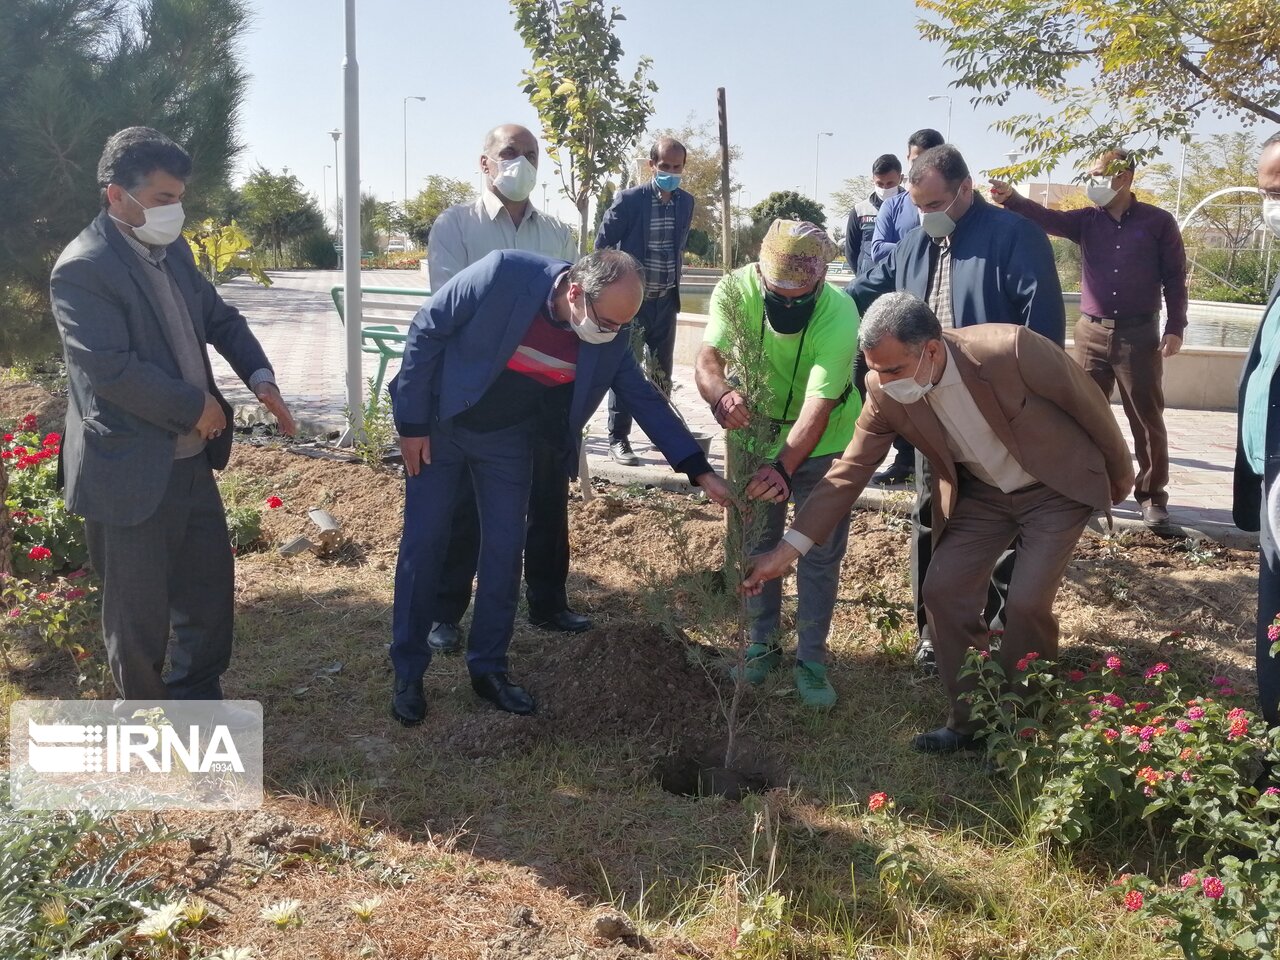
(63, 885)
(316, 249)
(243, 498)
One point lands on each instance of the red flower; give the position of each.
(273, 502)
(1239, 728)
(1133, 900)
(1151, 776)
(1156, 669)
(1114, 663)
(8, 437)
(52, 439)
(1212, 887)
(877, 802)
(28, 422)
(75, 593)
(1195, 713)
(1188, 879)
(1111, 735)
(1075, 676)
(43, 597)
(39, 553)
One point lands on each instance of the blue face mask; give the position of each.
(667, 181)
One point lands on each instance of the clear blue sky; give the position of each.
(790, 69)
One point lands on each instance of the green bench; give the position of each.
(384, 321)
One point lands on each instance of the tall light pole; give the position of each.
(544, 196)
(337, 190)
(404, 116)
(943, 96)
(324, 188)
(817, 143)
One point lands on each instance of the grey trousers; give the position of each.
(817, 574)
(172, 572)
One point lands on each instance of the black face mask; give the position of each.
(789, 314)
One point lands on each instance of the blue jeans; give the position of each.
(817, 574)
(500, 466)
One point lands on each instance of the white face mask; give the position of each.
(907, 390)
(938, 223)
(162, 225)
(1100, 192)
(1271, 214)
(515, 179)
(587, 329)
(884, 193)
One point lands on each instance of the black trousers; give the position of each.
(172, 572)
(922, 553)
(546, 542)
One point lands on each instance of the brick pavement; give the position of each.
(297, 325)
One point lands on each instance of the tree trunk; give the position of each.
(6, 532)
(585, 243)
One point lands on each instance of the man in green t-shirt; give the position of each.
(809, 331)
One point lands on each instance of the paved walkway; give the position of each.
(297, 325)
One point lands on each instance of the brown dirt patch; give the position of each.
(18, 398)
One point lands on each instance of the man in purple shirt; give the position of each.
(1130, 253)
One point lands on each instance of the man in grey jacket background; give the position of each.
(146, 426)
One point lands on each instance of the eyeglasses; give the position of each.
(1272, 195)
(603, 324)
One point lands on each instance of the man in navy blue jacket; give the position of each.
(515, 340)
(1256, 503)
(651, 222)
(972, 263)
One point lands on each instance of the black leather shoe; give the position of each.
(409, 704)
(943, 740)
(620, 451)
(926, 660)
(897, 473)
(503, 694)
(444, 637)
(566, 621)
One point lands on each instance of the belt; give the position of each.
(1120, 323)
(659, 294)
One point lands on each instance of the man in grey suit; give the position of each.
(146, 426)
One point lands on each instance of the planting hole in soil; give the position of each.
(693, 776)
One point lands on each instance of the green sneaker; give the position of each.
(812, 685)
(761, 658)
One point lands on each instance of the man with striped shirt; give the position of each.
(651, 222)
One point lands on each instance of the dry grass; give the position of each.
(474, 818)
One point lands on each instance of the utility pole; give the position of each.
(726, 229)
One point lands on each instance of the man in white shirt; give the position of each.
(502, 218)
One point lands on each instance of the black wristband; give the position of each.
(777, 465)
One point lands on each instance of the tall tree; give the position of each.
(591, 117)
(74, 72)
(1224, 160)
(787, 205)
(702, 170)
(852, 192)
(1130, 72)
(438, 195)
(277, 211)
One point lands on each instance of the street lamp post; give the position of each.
(324, 188)
(337, 190)
(404, 116)
(817, 143)
(544, 196)
(943, 96)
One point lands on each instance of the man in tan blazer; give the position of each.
(1023, 447)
